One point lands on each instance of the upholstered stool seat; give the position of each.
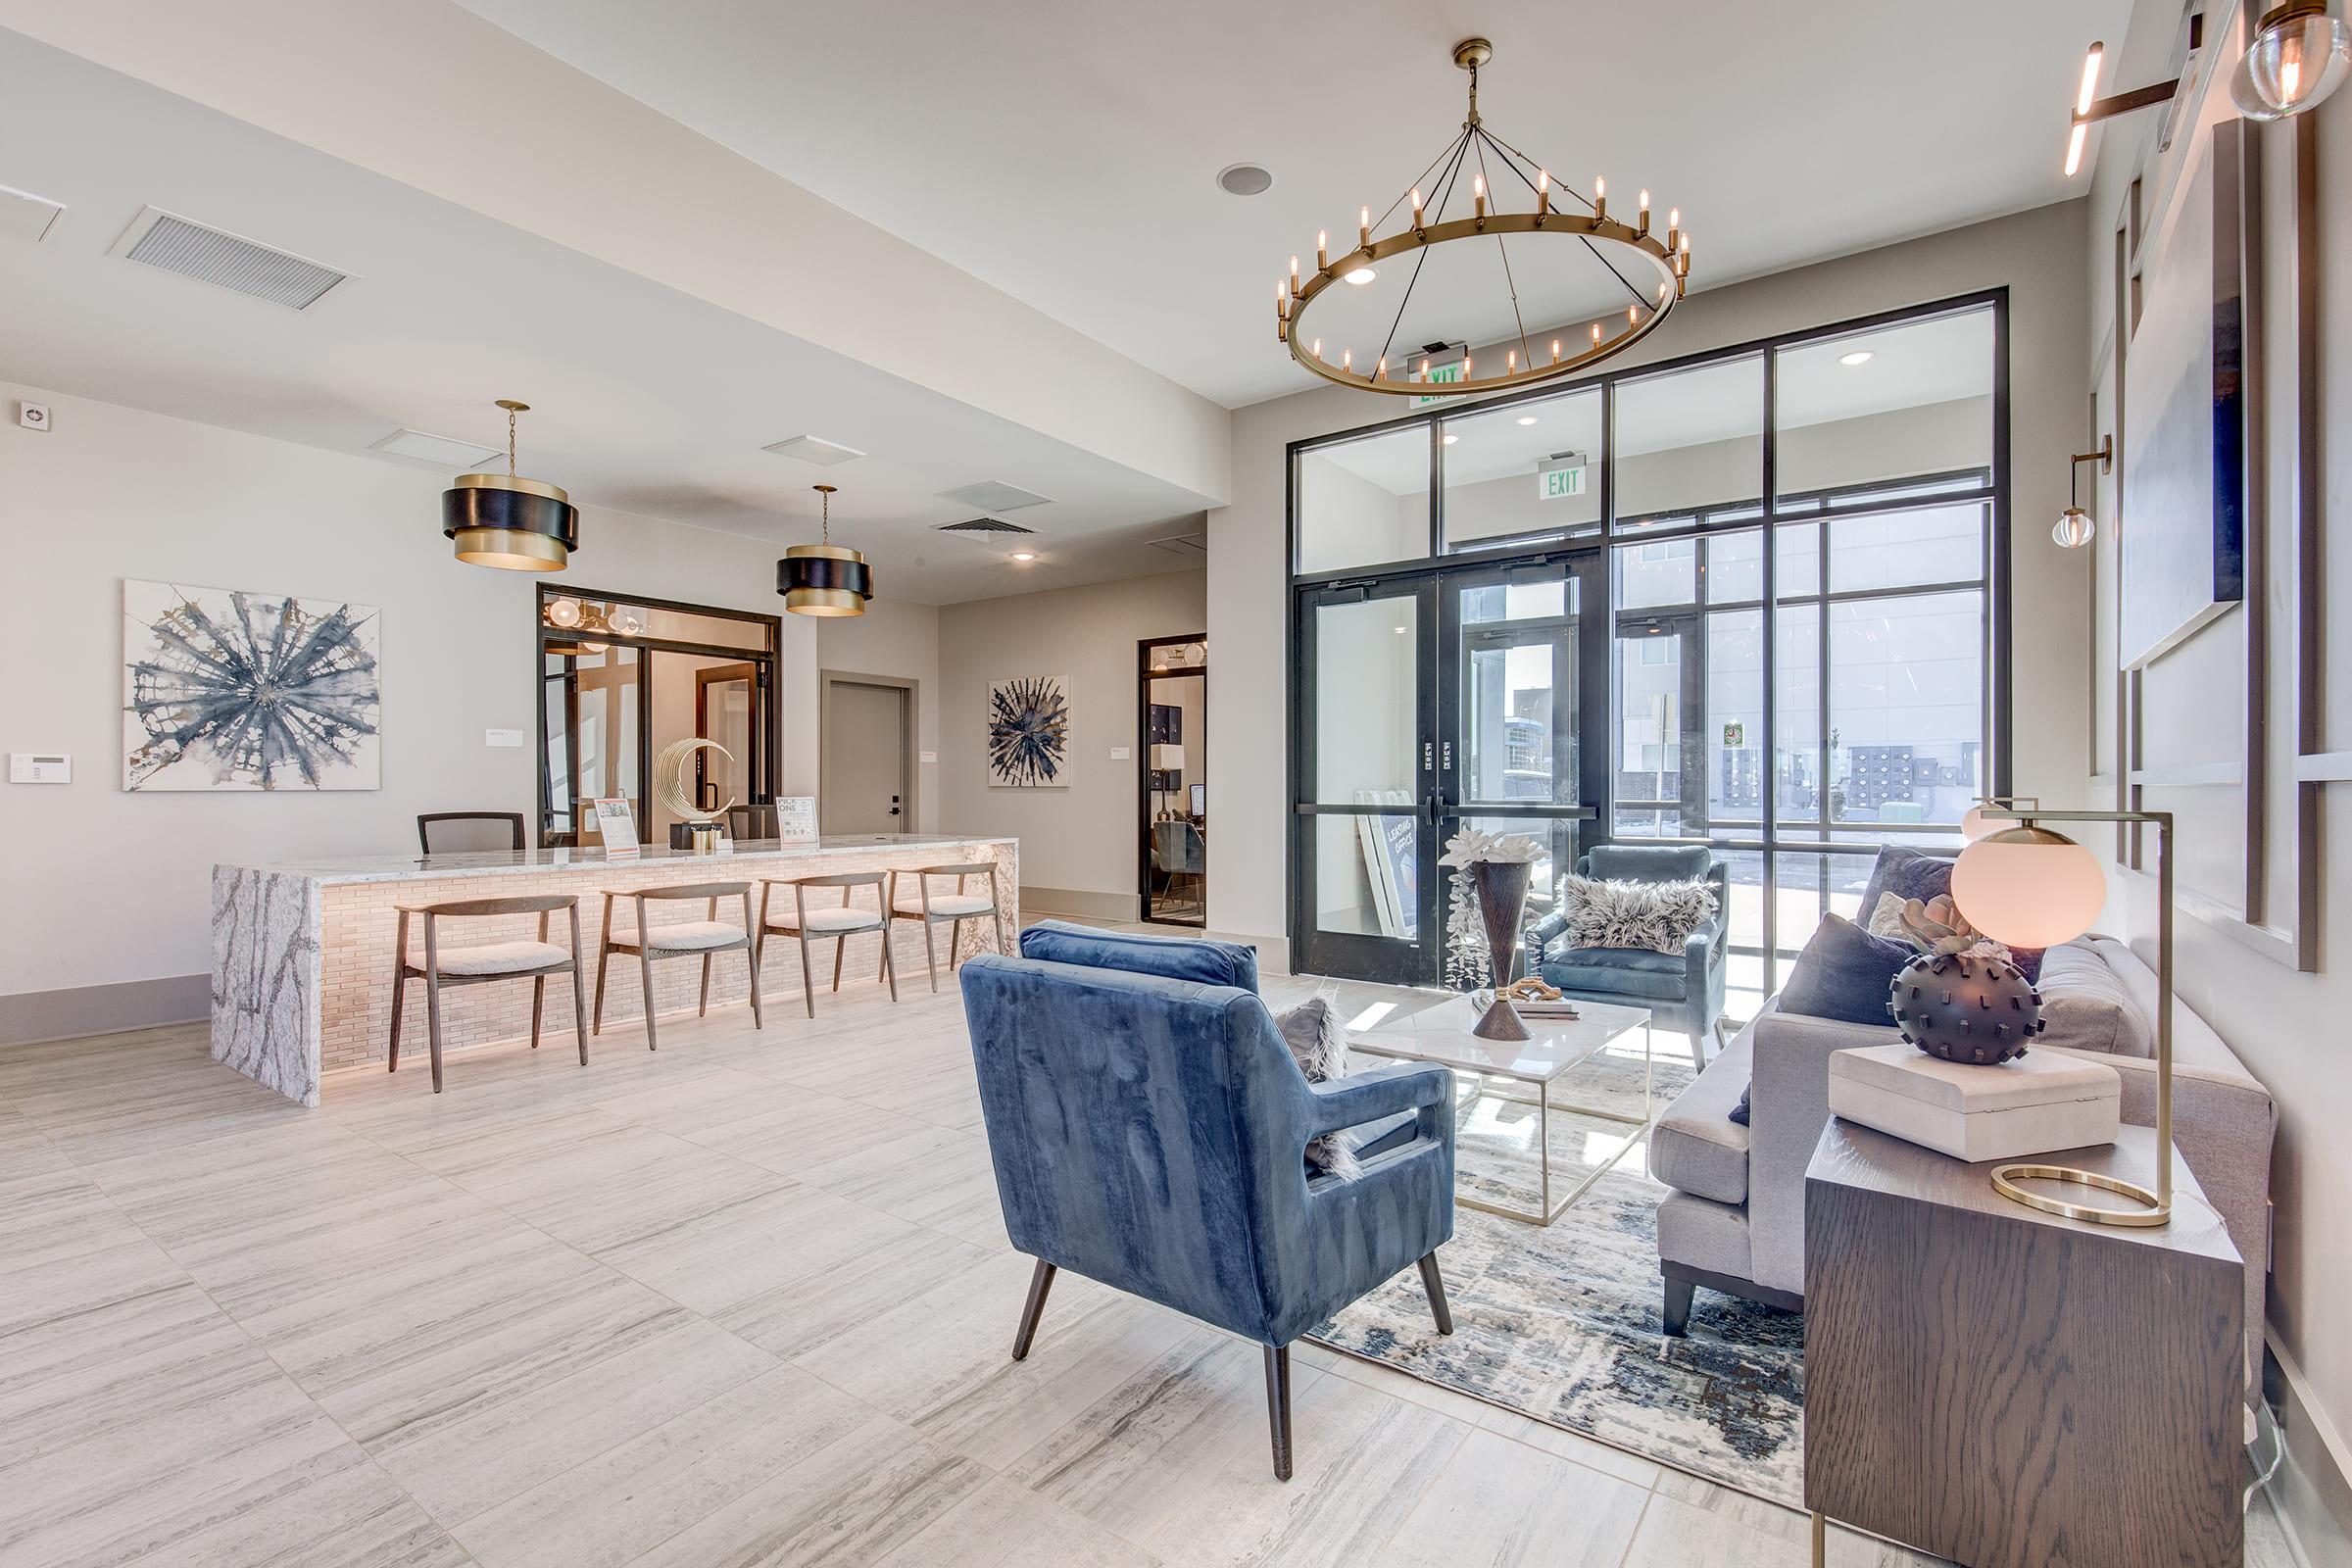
(950, 906)
(840, 921)
(705, 938)
(502, 958)
(827, 922)
(686, 936)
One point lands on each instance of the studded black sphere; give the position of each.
(1963, 1008)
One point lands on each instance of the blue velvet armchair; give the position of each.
(1683, 990)
(1148, 1129)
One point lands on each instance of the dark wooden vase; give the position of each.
(1501, 890)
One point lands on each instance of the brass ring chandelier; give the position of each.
(1662, 263)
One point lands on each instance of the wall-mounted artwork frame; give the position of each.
(227, 691)
(1029, 732)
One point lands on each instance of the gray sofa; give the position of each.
(1736, 1219)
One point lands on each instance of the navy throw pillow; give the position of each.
(1740, 1111)
(1845, 974)
(1906, 874)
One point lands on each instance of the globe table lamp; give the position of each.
(2029, 886)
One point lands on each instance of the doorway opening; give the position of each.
(865, 755)
(621, 679)
(1172, 752)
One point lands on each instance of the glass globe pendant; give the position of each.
(516, 524)
(824, 578)
(2073, 529)
(2028, 887)
(2298, 55)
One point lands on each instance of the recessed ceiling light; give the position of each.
(1400, 631)
(1245, 180)
(1452, 439)
(1024, 555)
(1527, 418)
(1858, 357)
(1361, 276)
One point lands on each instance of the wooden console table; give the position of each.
(2011, 1388)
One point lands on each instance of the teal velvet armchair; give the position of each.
(1683, 990)
(1148, 1130)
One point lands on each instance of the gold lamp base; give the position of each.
(2156, 1210)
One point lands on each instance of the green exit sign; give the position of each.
(1553, 484)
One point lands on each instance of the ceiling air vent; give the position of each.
(441, 451)
(172, 244)
(1193, 545)
(812, 449)
(984, 527)
(993, 495)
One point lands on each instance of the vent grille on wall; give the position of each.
(1184, 544)
(172, 244)
(984, 525)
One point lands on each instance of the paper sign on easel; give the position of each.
(616, 824)
(796, 818)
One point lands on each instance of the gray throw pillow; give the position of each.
(1650, 916)
(1319, 1045)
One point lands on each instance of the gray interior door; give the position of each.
(863, 789)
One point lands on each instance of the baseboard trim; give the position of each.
(2312, 1492)
(29, 1018)
(1080, 904)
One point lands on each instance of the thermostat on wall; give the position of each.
(40, 767)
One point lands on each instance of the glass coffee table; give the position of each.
(1438, 1030)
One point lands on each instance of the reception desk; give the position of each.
(302, 952)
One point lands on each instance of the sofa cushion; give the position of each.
(1195, 958)
(1616, 971)
(1844, 973)
(1697, 1147)
(2087, 1005)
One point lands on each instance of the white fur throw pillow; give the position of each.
(1319, 1045)
(1652, 916)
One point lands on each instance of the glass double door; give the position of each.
(1429, 704)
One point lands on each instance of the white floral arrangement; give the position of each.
(1468, 961)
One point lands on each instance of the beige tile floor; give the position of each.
(748, 1301)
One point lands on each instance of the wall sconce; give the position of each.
(2089, 110)
(2297, 55)
(2074, 528)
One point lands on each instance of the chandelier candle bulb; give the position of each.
(1380, 368)
(1478, 197)
(1543, 193)
(1293, 278)
(1417, 222)
(1600, 200)
(1555, 351)
(1318, 348)
(1510, 362)
(1346, 359)
(1322, 250)
(1673, 226)
(1642, 227)
(1363, 228)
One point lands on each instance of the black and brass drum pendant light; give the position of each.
(824, 579)
(497, 520)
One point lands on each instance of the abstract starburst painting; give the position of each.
(1029, 732)
(245, 691)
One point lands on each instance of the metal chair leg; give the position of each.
(1436, 1288)
(1278, 1406)
(1041, 1280)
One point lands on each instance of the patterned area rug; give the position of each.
(1562, 1323)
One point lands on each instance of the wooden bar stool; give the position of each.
(840, 923)
(947, 909)
(704, 939)
(491, 961)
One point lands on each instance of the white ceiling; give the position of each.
(1065, 150)
(645, 399)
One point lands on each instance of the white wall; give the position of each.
(2038, 255)
(2288, 1026)
(1084, 839)
(899, 638)
(108, 886)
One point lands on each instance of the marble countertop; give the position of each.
(497, 863)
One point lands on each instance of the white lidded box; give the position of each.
(2041, 1101)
